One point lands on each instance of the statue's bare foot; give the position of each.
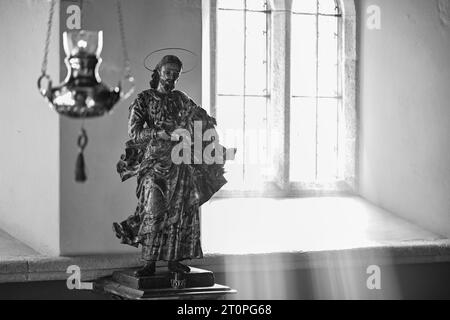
(147, 270)
(175, 266)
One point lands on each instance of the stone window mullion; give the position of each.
(280, 82)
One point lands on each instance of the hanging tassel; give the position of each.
(80, 167)
(80, 174)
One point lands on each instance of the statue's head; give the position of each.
(167, 73)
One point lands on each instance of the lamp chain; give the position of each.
(126, 59)
(49, 34)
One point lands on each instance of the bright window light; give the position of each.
(243, 90)
(316, 96)
(242, 95)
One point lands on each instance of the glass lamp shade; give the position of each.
(82, 94)
(83, 42)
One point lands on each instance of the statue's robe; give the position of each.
(166, 220)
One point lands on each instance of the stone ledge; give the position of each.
(43, 268)
(40, 268)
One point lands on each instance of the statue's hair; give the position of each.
(166, 59)
(155, 80)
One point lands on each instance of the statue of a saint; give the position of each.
(166, 221)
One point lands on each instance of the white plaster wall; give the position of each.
(405, 110)
(29, 129)
(88, 210)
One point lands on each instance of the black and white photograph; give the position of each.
(225, 155)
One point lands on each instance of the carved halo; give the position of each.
(189, 58)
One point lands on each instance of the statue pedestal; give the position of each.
(163, 285)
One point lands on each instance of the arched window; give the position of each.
(280, 79)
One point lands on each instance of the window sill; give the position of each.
(267, 225)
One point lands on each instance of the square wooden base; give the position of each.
(124, 285)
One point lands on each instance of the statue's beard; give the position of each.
(168, 85)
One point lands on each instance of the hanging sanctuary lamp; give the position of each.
(83, 95)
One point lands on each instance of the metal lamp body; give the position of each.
(82, 94)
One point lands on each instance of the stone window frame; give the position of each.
(280, 99)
